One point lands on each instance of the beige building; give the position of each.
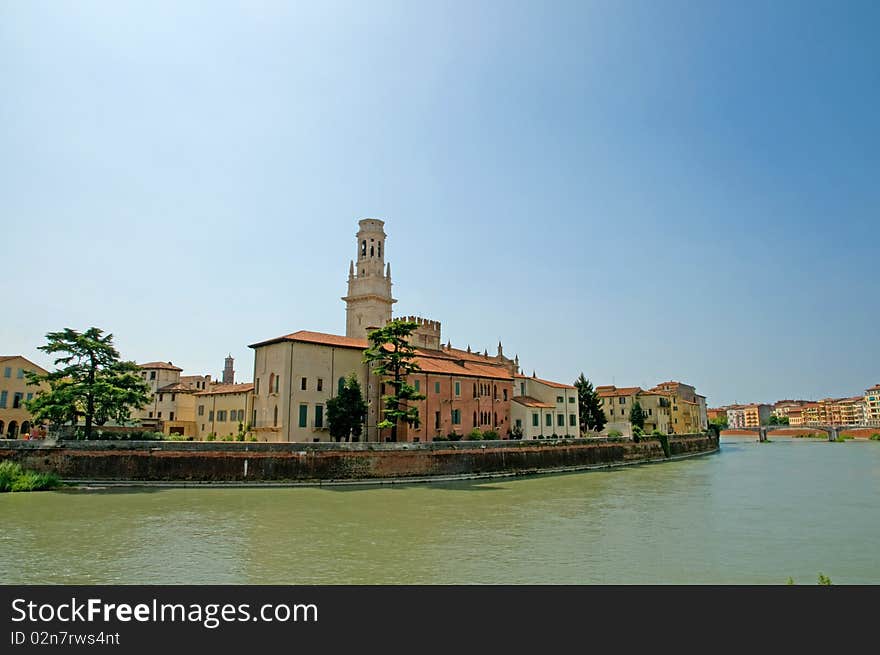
(872, 406)
(689, 412)
(544, 408)
(15, 420)
(171, 408)
(617, 403)
(223, 410)
(368, 301)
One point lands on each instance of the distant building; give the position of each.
(228, 370)
(171, 408)
(15, 420)
(748, 416)
(689, 412)
(872, 406)
(617, 403)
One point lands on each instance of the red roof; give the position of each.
(227, 388)
(528, 401)
(168, 366)
(320, 338)
(606, 392)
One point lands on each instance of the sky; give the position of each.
(636, 190)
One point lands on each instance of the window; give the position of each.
(505, 394)
(303, 384)
(254, 421)
(271, 382)
(277, 382)
(20, 374)
(519, 422)
(171, 416)
(559, 399)
(560, 420)
(320, 384)
(475, 389)
(340, 385)
(201, 410)
(572, 420)
(456, 417)
(221, 415)
(622, 400)
(522, 388)
(475, 419)
(535, 419)
(436, 387)
(172, 397)
(418, 386)
(159, 415)
(29, 396)
(152, 375)
(160, 397)
(7, 372)
(275, 417)
(571, 399)
(303, 415)
(436, 420)
(364, 248)
(549, 420)
(211, 415)
(151, 414)
(257, 387)
(319, 416)
(16, 400)
(458, 388)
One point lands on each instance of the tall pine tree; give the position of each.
(589, 406)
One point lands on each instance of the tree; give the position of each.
(720, 421)
(91, 382)
(777, 420)
(346, 411)
(637, 416)
(393, 360)
(589, 406)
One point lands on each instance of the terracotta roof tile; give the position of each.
(163, 365)
(176, 387)
(528, 401)
(320, 338)
(227, 388)
(618, 391)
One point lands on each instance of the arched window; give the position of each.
(25, 427)
(372, 251)
(475, 419)
(275, 419)
(2, 425)
(364, 248)
(12, 430)
(475, 389)
(496, 420)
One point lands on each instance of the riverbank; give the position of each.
(198, 463)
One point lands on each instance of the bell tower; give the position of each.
(368, 302)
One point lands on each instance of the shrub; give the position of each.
(490, 435)
(177, 437)
(239, 436)
(615, 433)
(440, 437)
(211, 437)
(875, 437)
(9, 472)
(517, 432)
(453, 436)
(14, 478)
(228, 437)
(656, 433)
(475, 435)
(252, 438)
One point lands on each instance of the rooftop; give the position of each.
(160, 365)
(528, 401)
(227, 388)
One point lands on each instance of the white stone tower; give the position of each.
(368, 302)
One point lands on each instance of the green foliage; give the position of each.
(252, 438)
(211, 437)
(637, 433)
(517, 432)
(875, 437)
(777, 420)
(490, 435)
(177, 437)
(592, 416)
(720, 422)
(637, 416)
(91, 381)
(824, 580)
(844, 437)
(228, 437)
(475, 435)
(347, 411)
(14, 478)
(440, 437)
(615, 433)
(392, 358)
(453, 436)
(790, 580)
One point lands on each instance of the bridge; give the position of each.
(832, 430)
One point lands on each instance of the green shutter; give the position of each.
(303, 415)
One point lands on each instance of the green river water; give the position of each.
(754, 513)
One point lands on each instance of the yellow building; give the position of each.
(171, 408)
(617, 403)
(15, 420)
(689, 411)
(224, 409)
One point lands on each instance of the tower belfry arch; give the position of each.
(368, 301)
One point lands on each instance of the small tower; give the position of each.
(228, 371)
(368, 301)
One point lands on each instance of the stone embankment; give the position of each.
(319, 463)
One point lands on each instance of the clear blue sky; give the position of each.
(637, 190)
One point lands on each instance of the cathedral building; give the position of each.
(296, 374)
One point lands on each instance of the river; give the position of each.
(754, 513)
